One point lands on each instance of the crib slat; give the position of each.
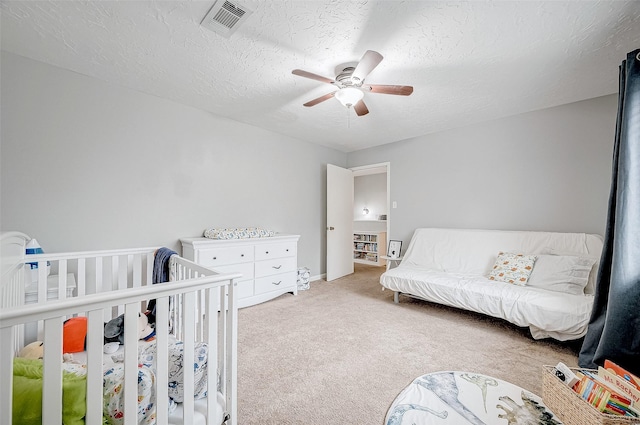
(95, 340)
(200, 300)
(82, 278)
(131, 363)
(189, 341)
(114, 273)
(114, 283)
(52, 374)
(122, 272)
(162, 360)
(7, 335)
(62, 279)
(42, 281)
(150, 257)
(137, 270)
(222, 335)
(231, 349)
(99, 280)
(211, 329)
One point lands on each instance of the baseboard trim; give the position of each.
(317, 277)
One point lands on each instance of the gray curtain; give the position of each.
(614, 328)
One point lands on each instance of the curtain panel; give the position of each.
(614, 327)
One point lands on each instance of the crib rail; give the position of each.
(96, 271)
(110, 283)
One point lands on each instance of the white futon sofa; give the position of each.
(452, 267)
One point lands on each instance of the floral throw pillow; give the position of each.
(512, 268)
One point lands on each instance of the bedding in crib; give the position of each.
(113, 378)
(27, 392)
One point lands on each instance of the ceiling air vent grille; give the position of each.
(225, 17)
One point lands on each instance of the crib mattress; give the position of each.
(200, 412)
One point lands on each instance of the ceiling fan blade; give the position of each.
(369, 61)
(301, 73)
(399, 90)
(360, 108)
(320, 99)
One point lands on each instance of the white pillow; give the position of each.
(561, 273)
(591, 284)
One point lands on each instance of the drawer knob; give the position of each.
(267, 252)
(242, 255)
(276, 267)
(215, 258)
(287, 249)
(277, 283)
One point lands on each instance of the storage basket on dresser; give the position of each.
(268, 265)
(571, 408)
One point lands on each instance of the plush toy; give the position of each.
(74, 335)
(145, 330)
(35, 350)
(114, 329)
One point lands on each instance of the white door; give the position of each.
(339, 222)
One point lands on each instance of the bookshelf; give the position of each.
(369, 247)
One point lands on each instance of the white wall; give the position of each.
(369, 191)
(89, 165)
(544, 170)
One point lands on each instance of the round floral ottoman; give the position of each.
(467, 398)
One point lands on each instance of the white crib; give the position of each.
(107, 284)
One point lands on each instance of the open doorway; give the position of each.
(342, 213)
(371, 215)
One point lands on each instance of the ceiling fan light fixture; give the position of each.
(349, 96)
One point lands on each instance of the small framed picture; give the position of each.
(394, 249)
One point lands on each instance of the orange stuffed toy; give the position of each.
(74, 335)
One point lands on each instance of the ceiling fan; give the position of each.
(351, 86)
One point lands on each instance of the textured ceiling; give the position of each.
(468, 61)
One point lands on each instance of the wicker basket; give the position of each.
(570, 408)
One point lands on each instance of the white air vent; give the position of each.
(225, 17)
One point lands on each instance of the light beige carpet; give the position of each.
(340, 352)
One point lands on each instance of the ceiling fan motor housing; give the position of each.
(345, 78)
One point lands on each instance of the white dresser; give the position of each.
(268, 265)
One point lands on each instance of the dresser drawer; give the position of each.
(223, 256)
(275, 282)
(275, 266)
(275, 250)
(245, 268)
(244, 289)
